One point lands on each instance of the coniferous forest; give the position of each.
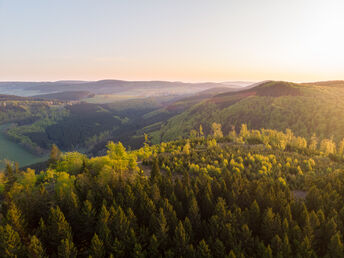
(256, 193)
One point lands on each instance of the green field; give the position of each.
(10, 150)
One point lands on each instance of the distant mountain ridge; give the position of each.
(66, 95)
(113, 87)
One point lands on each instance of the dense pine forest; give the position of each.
(252, 193)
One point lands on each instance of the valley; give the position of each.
(73, 122)
(14, 152)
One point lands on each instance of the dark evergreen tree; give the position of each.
(35, 248)
(97, 247)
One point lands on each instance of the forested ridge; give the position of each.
(307, 109)
(252, 193)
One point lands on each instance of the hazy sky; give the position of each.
(189, 40)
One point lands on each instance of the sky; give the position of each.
(178, 40)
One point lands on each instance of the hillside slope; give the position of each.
(306, 109)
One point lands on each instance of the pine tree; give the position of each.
(160, 226)
(218, 249)
(188, 229)
(286, 249)
(268, 252)
(67, 249)
(193, 214)
(42, 231)
(102, 226)
(10, 242)
(254, 215)
(88, 215)
(55, 155)
(180, 239)
(35, 248)
(10, 175)
(335, 248)
(153, 248)
(203, 250)
(118, 248)
(246, 238)
(155, 172)
(118, 222)
(306, 248)
(267, 226)
(137, 252)
(206, 205)
(231, 254)
(155, 193)
(97, 247)
(58, 228)
(15, 218)
(276, 245)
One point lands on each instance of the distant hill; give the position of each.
(186, 102)
(237, 83)
(304, 108)
(217, 90)
(135, 88)
(327, 83)
(5, 97)
(67, 95)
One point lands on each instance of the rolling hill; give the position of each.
(304, 108)
(136, 88)
(67, 95)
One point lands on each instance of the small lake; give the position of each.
(15, 152)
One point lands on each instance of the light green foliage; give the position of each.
(341, 148)
(186, 148)
(216, 130)
(121, 160)
(71, 162)
(28, 178)
(327, 146)
(2, 182)
(211, 143)
(64, 183)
